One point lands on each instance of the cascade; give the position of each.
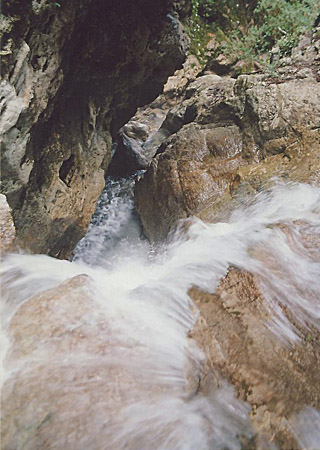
(97, 350)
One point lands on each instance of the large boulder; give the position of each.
(54, 376)
(72, 74)
(72, 372)
(230, 136)
(277, 380)
(139, 140)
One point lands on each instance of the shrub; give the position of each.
(249, 30)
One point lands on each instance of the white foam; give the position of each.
(146, 305)
(306, 428)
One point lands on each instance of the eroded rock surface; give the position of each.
(140, 138)
(73, 74)
(230, 136)
(58, 360)
(228, 139)
(7, 230)
(68, 374)
(276, 379)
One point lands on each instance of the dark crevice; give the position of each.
(67, 170)
(100, 73)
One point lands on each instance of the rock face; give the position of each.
(229, 136)
(73, 73)
(7, 230)
(140, 138)
(226, 140)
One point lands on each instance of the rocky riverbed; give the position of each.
(189, 317)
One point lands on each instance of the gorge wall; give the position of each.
(228, 137)
(72, 74)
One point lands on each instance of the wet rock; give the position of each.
(7, 230)
(201, 166)
(59, 394)
(228, 139)
(222, 131)
(276, 379)
(138, 141)
(140, 138)
(70, 373)
(73, 74)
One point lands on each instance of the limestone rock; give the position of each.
(138, 141)
(70, 371)
(277, 380)
(198, 171)
(7, 230)
(57, 398)
(73, 74)
(140, 138)
(224, 131)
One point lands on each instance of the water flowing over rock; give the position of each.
(277, 380)
(86, 368)
(207, 335)
(104, 354)
(230, 136)
(73, 73)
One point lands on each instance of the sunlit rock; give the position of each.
(228, 138)
(276, 379)
(140, 138)
(7, 230)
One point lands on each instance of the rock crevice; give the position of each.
(73, 74)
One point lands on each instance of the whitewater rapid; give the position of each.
(142, 294)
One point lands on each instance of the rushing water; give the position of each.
(141, 315)
(114, 230)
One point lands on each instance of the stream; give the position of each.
(116, 369)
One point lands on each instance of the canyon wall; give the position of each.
(72, 74)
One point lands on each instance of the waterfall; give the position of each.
(133, 384)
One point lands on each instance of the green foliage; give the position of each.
(276, 24)
(216, 17)
(198, 32)
(309, 337)
(248, 30)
